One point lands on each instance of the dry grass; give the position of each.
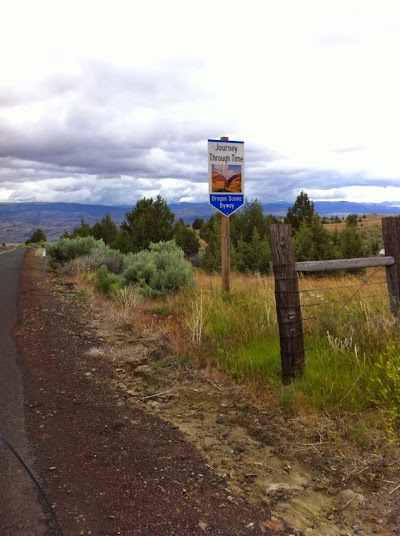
(372, 220)
(127, 300)
(347, 305)
(347, 325)
(346, 320)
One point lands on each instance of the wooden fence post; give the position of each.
(287, 302)
(225, 253)
(391, 240)
(225, 247)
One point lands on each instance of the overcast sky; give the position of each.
(111, 101)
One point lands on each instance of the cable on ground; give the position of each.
(41, 492)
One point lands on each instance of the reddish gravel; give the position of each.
(108, 467)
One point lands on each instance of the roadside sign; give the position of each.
(226, 175)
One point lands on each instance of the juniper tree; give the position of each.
(302, 210)
(36, 237)
(149, 221)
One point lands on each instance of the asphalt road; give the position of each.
(20, 511)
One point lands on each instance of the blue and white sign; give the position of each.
(226, 175)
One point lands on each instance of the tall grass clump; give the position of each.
(386, 387)
(127, 299)
(159, 270)
(335, 377)
(221, 326)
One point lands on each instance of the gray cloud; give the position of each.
(110, 134)
(99, 125)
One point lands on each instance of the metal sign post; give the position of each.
(44, 266)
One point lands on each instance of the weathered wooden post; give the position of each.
(287, 302)
(225, 253)
(391, 240)
(225, 247)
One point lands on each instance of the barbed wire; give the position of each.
(365, 281)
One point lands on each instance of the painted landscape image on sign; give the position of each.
(226, 178)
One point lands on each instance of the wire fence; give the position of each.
(315, 305)
(325, 301)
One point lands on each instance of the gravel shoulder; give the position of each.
(128, 439)
(107, 466)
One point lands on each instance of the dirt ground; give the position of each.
(130, 439)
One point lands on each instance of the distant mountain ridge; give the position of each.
(19, 220)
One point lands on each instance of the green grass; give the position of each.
(332, 379)
(259, 359)
(159, 365)
(349, 336)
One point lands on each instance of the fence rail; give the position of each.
(343, 264)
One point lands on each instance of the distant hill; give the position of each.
(19, 220)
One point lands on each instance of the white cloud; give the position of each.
(108, 101)
(360, 194)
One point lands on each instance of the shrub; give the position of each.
(67, 249)
(104, 256)
(106, 282)
(159, 270)
(85, 254)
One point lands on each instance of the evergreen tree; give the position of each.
(254, 256)
(198, 224)
(351, 219)
(302, 210)
(186, 239)
(211, 233)
(106, 229)
(66, 234)
(336, 243)
(82, 231)
(244, 222)
(351, 242)
(269, 220)
(123, 241)
(36, 237)
(303, 244)
(149, 221)
(250, 240)
(211, 261)
(210, 227)
(312, 242)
